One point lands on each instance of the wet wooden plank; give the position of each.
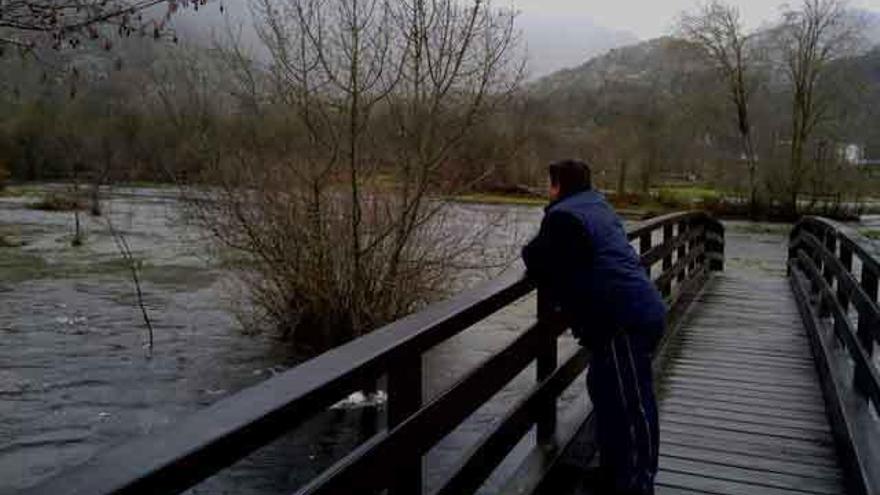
(706, 484)
(783, 393)
(754, 475)
(702, 452)
(741, 408)
(816, 417)
(801, 446)
(704, 411)
(820, 460)
(732, 394)
(766, 430)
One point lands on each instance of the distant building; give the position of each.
(851, 153)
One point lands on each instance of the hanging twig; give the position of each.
(125, 252)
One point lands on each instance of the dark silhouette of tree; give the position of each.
(28, 24)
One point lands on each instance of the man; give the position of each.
(583, 261)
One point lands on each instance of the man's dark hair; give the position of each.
(572, 176)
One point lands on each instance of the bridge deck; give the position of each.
(741, 409)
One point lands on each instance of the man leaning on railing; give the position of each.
(582, 260)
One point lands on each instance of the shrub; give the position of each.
(60, 202)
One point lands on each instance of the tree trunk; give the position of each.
(621, 178)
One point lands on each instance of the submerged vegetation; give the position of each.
(54, 201)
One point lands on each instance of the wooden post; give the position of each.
(827, 273)
(867, 327)
(715, 246)
(667, 260)
(547, 359)
(682, 250)
(404, 399)
(644, 247)
(792, 251)
(846, 258)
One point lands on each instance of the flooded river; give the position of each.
(76, 377)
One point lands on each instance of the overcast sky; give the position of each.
(566, 33)
(651, 18)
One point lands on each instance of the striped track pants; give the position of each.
(621, 388)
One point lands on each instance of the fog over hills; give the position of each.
(553, 41)
(557, 41)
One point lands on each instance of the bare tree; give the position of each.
(133, 265)
(718, 30)
(25, 23)
(339, 208)
(809, 40)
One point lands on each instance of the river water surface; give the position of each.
(76, 377)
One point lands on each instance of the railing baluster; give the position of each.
(547, 360)
(667, 260)
(404, 399)
(695, 243)
(682, 250)
(846, 258)
(867, 325)
(713, 246)
(830, 243)
(645, 246)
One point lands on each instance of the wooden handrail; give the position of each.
(825, 283)
(211, 439)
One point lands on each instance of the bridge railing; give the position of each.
(683, 247)
(834, 272)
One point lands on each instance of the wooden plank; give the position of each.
(743, 350)
(725, 357)
(742, 407)
(782, 393)
(717, 486)
(672, 490)
(723, 360)
(732, 362)
(783, 382)
(805, 447)
(794, 380)
(739, 395)
(702, 452)
(828, 486)
(739, 333)
(747, 417)
(802, 375)
(769, 431)
(752, 450)
(718, 314)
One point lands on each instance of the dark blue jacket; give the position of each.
(584, 259)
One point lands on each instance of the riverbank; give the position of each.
(663, 200)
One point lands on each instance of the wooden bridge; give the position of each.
(768, 382)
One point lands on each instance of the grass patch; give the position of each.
(21, 191)
(873, 234)
(499, 199)
(146, 184)
(687, 196)
(9, 242)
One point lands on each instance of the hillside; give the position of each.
(646, 63)
(650, 62)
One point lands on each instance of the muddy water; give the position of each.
(76, 378)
